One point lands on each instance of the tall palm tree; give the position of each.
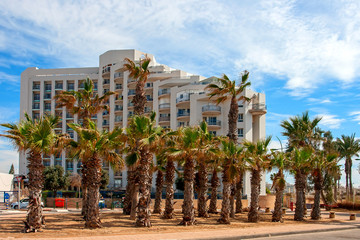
(225, 90)
(279, 161)
(85, 104)
(140, 73)
(300, 166)
(348, 147)
(322, 163)
(142, 139)
(187, 149)
(258, 157)
(232, 156)
(34, 137)
(94, 145)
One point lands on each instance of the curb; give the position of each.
(265, 235)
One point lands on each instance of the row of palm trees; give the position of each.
(194, 148)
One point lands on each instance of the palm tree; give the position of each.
(300, 130)
(207, 150)
(159, 183)
(187, 149)
(85, 104)
(140, 73)
(300, 166)
(348, 147)
(279, 161)
(322, 163)
(232, 156)
(215, 183)
(258, 157)
(92, 146)
(142, 139)
(35, 137)
(224, 90)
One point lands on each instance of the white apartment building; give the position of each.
(179, 99)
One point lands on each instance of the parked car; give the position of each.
(24, 203)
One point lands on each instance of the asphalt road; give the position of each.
(332, 235)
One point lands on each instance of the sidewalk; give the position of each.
(342, 223)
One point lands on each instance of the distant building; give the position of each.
(178, 98)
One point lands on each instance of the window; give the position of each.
(70, 86)
(36, 86)
(213, 132)
(47, 106)
(36, 115)
(47, 96)
(241, 117)
(240, 105)
(36, 106)
(48, 87)
(36, 97)
(240, 132)
(117, 183)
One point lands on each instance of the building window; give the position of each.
(36, 97)
(47, 106)
(240, 105)
(70, 86)
(213, 133)
(47, 96)
(36, 115)
(48, 87)
(117, 183)
(36, 86)
(241, 117)
(240, 132)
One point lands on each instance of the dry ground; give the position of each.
(115, 223)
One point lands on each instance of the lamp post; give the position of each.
(18, 178)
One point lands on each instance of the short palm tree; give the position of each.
(322, 164)
(85, 104)
(142, 140)
(258, 157)
(187, 149)
(300, 166)
(34, 137)
(215, 183)
(159, 182)
(225, 90)
(232, 156)
(279, 161)
(348, 147)
(95, 146)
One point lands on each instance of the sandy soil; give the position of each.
(115, 223)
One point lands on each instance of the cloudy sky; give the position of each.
(304, 55)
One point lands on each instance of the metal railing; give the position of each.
(184, 99)
(183, 114)
(164, 91)
(213, 108)
(214, 123)
(164, 105)
(118, 75)
(164, 119)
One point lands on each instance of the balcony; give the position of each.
(106, 72)
(164, 119)
(106, 81)
(118, 75)
(165, 91)
(147, 110)
(36, 106)
(164, 107)
(118, 108)
(183, 114)
(149, 98)
(131, 92)
(131, 104)
(105, 123)
(184, 99)
(118, 86)
(48, 88)
(149, 85)
(36, 87)
(58, 86)
(119, 97)
(211, 109)
(258, 109)
(105, 113)
(118, 119)
(131, 81)
(214, 124)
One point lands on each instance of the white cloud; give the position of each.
(288, 39)
(330, 121)
(355, 116)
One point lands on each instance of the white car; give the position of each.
(24, 203)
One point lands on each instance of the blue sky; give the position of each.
(304, 55)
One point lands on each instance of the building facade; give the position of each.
(178, 98)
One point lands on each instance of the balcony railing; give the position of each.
(36, 106)
(259, 106)
(106, 81)
(131, 80)
(164, 105)
(118, 86)
(183, 114)
(213, 123)
(164, 119)
(149, 98)
(58, 86)
(118, 119)
(184, 99)
(105, 123)
(118, 108)
(131, 92)
(36, 87)
(211, 108)
(164, 91)
(106, 70)
(118, 75)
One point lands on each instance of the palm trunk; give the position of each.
(139, 98)
(34, 218)
(238, 195)
(84, 185)
(225, 206)
(188, 205)
(202, 191)
(350, 178)
(215, 183)
(158, 194)
(169, 179)
(92, 217)
(300, 184)
(347, 178)
(316, 213)
(129, 192)
(279, 189)
(253, 215)
(143, 212)
(232, 200)
(232, 119)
